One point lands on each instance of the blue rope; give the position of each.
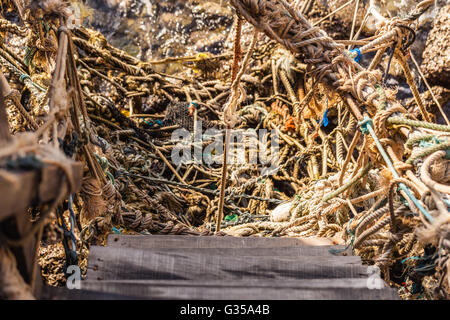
(447, 202)
(367, 127)
(71, 252)
(72, 220)
(151, 123)
(23, 77)
(410, 258)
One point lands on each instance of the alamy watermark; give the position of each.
(207, 148)
(374, 280)
(73, 280)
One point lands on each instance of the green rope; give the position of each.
(29, 55)
(426, 152)
(104, 164)
(347, 185)
(23, 76)
(367, 127)
(382, 97)
(412, 141)
(420, 124)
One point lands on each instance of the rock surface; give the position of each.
(151, 29)
(436, 63)
(442, 95)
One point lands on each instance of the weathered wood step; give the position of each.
(256, 252)
(121, 263)
(159, 241)
(340, 289)
(62, 293)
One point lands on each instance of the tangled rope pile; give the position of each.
(384, 232)
(355, 166)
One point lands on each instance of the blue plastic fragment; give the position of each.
(325, 119)
(115, 230)
(358, 52)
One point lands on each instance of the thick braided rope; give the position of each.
(426, 176)
(8, 26)
(13, 98)
(420, 124)
(379, 121)
(107, 57)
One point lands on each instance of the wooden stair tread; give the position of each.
(127, 263)
(176, 241)
(256, 252)
(341, 289)
(224, 268)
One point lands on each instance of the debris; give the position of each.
(353, 163)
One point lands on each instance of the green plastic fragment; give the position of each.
(232, 217)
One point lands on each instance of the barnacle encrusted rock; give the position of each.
(436, 63)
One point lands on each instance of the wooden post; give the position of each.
(19, 190)
(5, 89)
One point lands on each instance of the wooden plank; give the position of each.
(5, 89)
(15, 227)
(14, 185)
(127, 263)
(286, 252)
(177, 241)
(339, 289)
(59, 293)
(21, 189)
